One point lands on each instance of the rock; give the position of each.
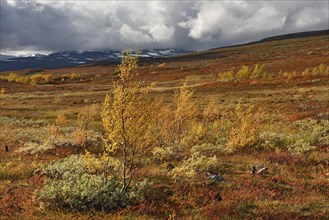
(170, 167)
(215, 177)
(262, 171)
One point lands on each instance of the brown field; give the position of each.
(296, 187)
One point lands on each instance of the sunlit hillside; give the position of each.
(237, 132)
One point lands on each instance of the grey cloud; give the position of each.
(41, 25)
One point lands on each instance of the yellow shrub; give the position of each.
(226, 76)
(258, 72)
(246, 131)
(243, 73)
(48, 78)
(319, 71)
(3, 91)
(212, 112)
(183, 116)
(80, 137)
(12, 77)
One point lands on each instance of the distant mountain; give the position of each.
(74, 58)
(5, 57)
(281, 37)
(296, 35)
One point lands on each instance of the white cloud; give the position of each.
(161, 32)
(130, 35)
(41, 25)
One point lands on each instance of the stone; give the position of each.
(215, 177)
(262, 171)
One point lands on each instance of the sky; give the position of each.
(43, 26)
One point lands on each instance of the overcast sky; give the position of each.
(29, 26)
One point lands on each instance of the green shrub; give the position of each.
(272, 141)
(71, 187)
(313, 131)
(303, 136)
(195, 164)
(299, 146)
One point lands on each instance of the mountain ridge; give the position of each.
(107, 57)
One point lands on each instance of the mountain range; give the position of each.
(75, 58)
(106, 57)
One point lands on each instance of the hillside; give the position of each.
(264, 104)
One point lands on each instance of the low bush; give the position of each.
(71, 187)
(317, 72)
(246, 130)
(244, 73)
(299, 146)
(33, 79)
(195, 164)
(3, 91)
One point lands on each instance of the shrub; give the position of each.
(41, 79)
(129, 118)
(319, 71)
(34, 79)
(195, 164)
(299, 146)
(245, 134)
(259, 72)
(313, 131)
(226, 76)
(72, 75)
(35, 148)
(12, 77)
(3, 91)
(273, 141)
(244, 73)
(70, 186)
(162, 154)
(176, 125)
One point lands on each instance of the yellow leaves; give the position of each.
(60, 120)
(129, 117)
(53, 131)
(246, 131)
(185, 107)
(87, 115)
(80, 137)
(226, 76)
(128, 65)
(176, 124)
(212, 112)
(3, 91)
(244, 73)
(128, 114)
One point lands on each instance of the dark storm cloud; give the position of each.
(40, 25)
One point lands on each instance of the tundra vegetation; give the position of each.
(144, 150)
